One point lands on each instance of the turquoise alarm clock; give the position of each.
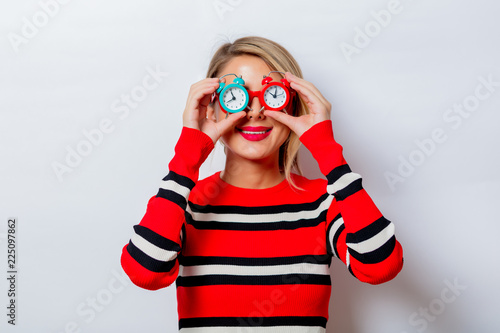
(233, 97)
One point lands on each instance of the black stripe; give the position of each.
(368, 232)
(253, 321)
(377, 255)
(147, 262)
(180, 179)
(156, 239)
(243, 261)
(183, 229)
(259, 210)
(216, 279)
(258, 226)
(338, 172)
(350, 271)
(335, 237)
(172, 196)
(350, 189)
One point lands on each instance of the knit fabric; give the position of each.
(257, 260)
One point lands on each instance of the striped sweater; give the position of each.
(257, 260)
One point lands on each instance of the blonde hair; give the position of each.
(278, 59)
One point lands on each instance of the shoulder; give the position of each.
(205, 188)
(317, 184)
(208, 181)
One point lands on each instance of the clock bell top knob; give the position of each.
(239, 80)
(266, 80)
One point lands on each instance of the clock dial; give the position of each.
(275, 96)
(234, 98)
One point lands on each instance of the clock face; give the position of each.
(234, 98)
(275, 96)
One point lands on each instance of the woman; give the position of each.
(250, 247)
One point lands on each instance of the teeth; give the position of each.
(248, 132)
(252, 132)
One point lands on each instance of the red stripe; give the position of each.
(274, 243)
(358, 211)
(248, 301)
(143, 277)
(215, 192)
(165, 218)
(380, 272)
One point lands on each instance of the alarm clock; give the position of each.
(275, 95)
(233, 97)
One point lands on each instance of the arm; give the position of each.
(150, 257)
(357, 233)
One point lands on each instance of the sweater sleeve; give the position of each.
(150, 257)
(356, 231)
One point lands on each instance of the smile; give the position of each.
(255, 134)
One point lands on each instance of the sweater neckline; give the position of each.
(272, 189)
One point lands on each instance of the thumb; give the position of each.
(282, 117)
(229, 122)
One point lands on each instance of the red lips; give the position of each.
(255, 136)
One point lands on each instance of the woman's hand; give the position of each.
(319, 107)
(199, 115)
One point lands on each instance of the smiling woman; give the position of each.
(250, 246)
(255, 140)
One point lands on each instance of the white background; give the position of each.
(67, 74)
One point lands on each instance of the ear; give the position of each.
(211, 112)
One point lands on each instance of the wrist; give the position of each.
(318, 131)
(191, 150)
(320, 142)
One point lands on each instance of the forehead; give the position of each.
(250, 67)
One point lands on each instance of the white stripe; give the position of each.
(152, 250)
(342, 182)
(347, 258)
(176, 187)
(300, 268)
(254, 329)
(374, 242)
(335, 227)
(261, 218)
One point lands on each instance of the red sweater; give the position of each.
(246, 259)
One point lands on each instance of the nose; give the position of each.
(254, 107)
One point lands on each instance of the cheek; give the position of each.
(284, 131)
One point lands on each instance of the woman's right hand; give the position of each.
(200, 115)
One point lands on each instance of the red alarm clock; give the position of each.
(275, 95)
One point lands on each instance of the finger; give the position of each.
(307, 95)
(315, 104)
(301, 82)
(201, 85)
(297, 85)
(225, 124)
(283, 118)
(199, 98)
(205, 100)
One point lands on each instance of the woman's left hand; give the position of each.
(318, 106)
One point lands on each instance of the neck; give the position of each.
(246, 173)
